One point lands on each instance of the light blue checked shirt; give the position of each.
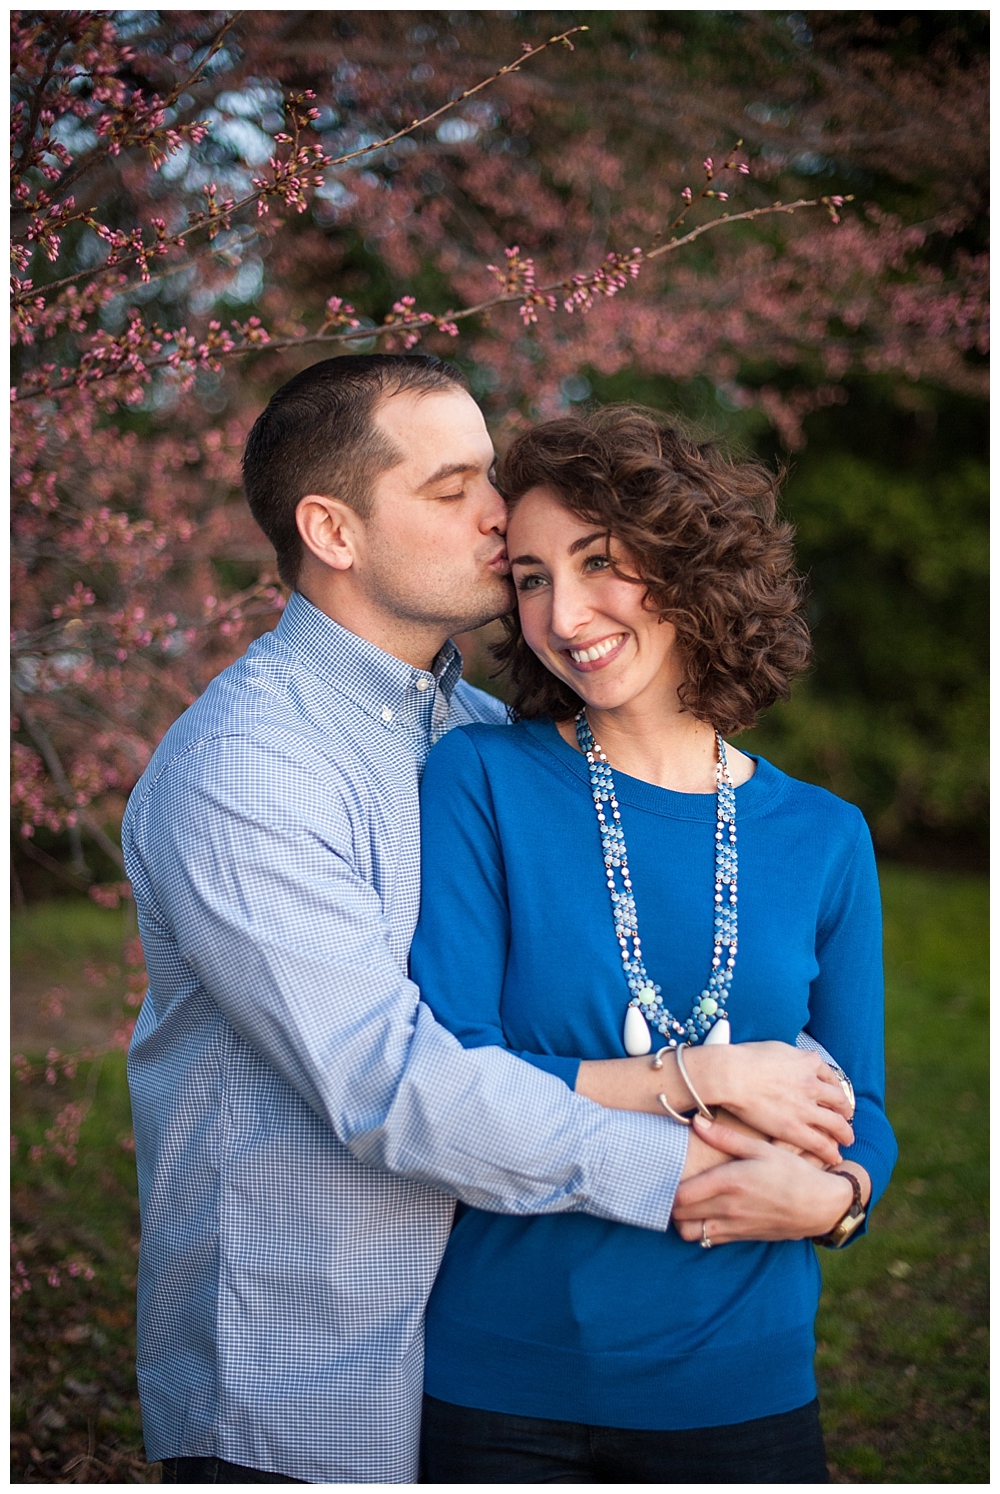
(302, 1123)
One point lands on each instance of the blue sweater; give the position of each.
(568, 1317)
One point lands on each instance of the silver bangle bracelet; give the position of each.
(674, 1115)
(703, 1109)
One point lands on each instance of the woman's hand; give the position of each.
(765, 1193)
(775, 1089)
(781, 1092)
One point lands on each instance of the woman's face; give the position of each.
(586, 624)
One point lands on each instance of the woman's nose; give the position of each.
(570, 610)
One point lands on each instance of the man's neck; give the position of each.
(414, 643)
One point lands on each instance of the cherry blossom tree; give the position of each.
(204, 202)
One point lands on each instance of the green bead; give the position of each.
(709, 1005)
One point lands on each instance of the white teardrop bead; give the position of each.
(636, 1035)
(719, 1033)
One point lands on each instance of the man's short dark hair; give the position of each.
(317, 436)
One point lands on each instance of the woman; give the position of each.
(608, 876)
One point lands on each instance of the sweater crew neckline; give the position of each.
(752, 798)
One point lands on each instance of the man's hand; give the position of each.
(763, 1192)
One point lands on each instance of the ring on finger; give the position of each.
(706, 1243)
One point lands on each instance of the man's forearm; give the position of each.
(505, 1136)
(291, 946)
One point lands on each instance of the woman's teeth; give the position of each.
(587, 655)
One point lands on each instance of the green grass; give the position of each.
(55, 940)
(75, 1408)
(902, 1327)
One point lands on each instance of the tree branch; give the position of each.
(35, 853)
(62, 37)
(327, 162)
(43, 742)
(100, 151)
(106, 372)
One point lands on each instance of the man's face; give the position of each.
(432, 551)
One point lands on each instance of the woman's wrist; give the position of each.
(832, 1210)
(717, 1072)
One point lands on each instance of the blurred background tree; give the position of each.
(153, 321)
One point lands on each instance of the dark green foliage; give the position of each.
(893, 717)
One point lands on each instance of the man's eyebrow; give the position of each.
(452, 469)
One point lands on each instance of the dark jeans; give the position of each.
(461, 1445)
(217, 1471)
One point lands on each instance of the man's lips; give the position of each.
(588, 657)
(500, 564)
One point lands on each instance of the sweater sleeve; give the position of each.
(459, 952)
(846, 1003)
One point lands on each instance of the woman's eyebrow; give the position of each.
(587, 539)
(580, 544)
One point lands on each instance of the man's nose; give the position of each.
(495, 514)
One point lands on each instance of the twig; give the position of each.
(35, 853)
(510, 67)
(99, 151)
(180, 239)
(62, 37)
(362, 334)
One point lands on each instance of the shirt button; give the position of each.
(423, 684)
(386, 715)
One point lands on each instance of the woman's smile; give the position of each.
(591, 656)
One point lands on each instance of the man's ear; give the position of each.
(330, 530)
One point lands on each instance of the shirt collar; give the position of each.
(376, 681)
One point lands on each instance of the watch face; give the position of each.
(846, 1228)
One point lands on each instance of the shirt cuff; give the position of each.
(638, 1146)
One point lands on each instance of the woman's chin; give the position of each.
(598, 696)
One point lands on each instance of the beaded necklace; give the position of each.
(708, 1022)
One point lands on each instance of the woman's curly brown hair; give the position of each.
(702, 533)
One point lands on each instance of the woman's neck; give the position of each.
(669, 748)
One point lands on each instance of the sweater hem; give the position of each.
(469, 1366)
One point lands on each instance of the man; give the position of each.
(302, 1123)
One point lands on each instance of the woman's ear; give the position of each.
(330, 530)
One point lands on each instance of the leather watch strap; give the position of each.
(851, 1220)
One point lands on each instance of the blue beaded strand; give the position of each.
(710, 1006)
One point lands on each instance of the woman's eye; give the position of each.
(596, 563)
(530, 582)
